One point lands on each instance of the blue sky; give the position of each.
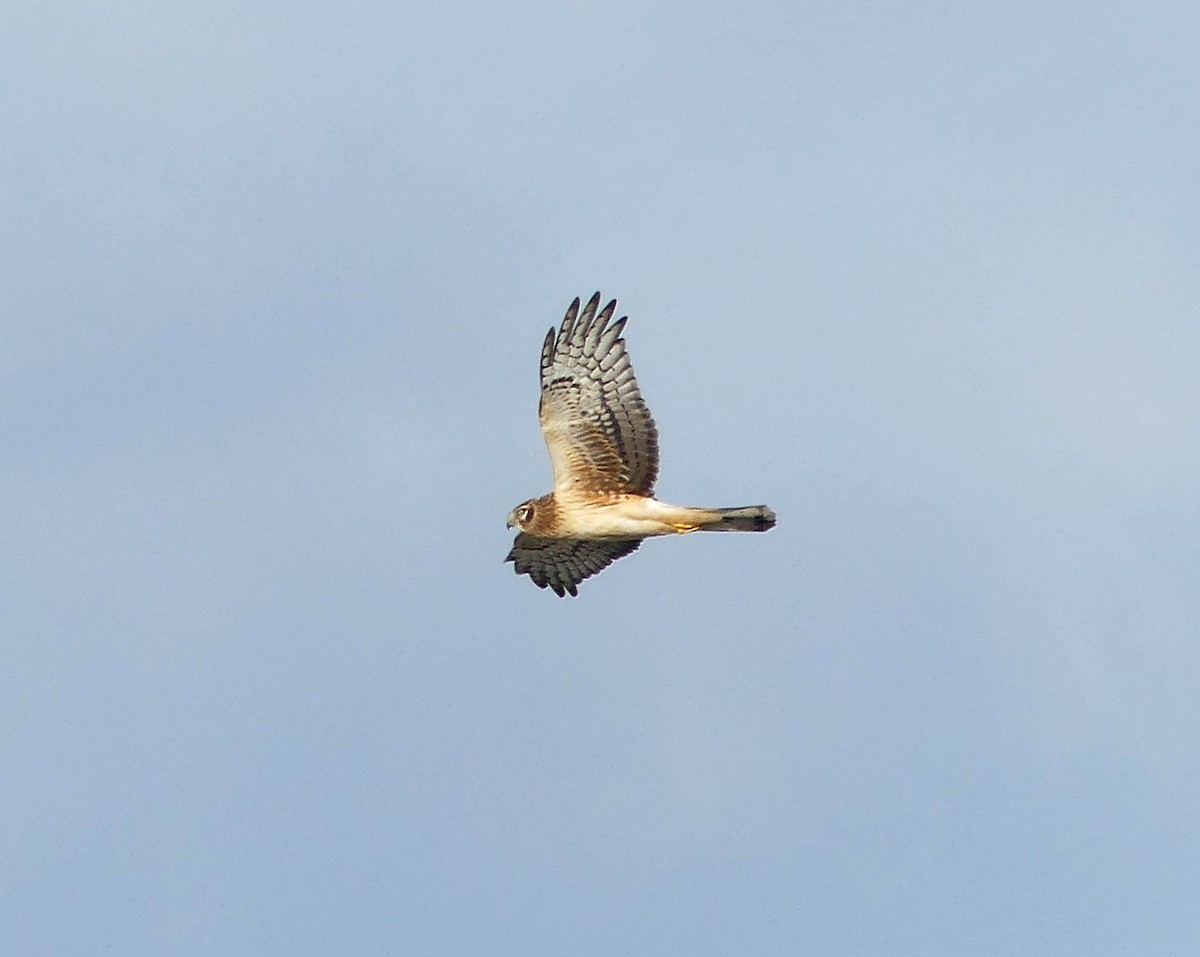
(922, 277)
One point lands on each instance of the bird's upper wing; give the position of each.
(599, 432)
(562, 563)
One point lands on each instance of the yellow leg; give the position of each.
(683, 529)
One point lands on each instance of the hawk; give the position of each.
(604, 451)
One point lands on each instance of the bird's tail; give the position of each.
(750, 518)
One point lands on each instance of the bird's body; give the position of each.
(603, 446)
(617, 516)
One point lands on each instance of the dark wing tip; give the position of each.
(547, 351)
(568, 323)
(564, 586)
(587, 318)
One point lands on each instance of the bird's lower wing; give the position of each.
(562, 563)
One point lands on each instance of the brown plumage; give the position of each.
(603, 446)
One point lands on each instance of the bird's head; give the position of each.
(522, 516)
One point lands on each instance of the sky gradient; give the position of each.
(924, 279)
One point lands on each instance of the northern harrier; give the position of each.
(604, 450)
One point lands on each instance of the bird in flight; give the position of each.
(604, 451)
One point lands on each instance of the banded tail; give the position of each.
(751, 518)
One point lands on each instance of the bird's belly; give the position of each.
(623, 517)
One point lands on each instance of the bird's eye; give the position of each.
(526, 513)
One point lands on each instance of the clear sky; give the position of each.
(925, 278)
